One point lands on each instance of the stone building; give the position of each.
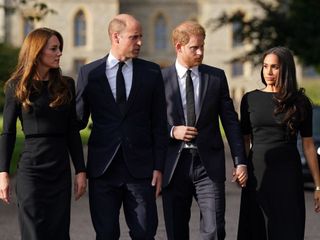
(83, 24)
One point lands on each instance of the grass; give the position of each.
(20, 140)
(312, 88)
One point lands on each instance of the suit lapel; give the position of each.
(176, 93)
(203, 81)
(100, 75)
(136, 83)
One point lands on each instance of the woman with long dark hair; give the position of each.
(44, 101)
(272, 204)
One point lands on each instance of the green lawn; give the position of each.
(20, 139)
(312, 88)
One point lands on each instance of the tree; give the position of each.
(9, 54)
(40, 9)
(8, 60)
(290, 23)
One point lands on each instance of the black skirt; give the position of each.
(44, 189)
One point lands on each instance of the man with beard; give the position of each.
(197, 96)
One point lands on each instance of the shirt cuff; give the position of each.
(241, 165)
(171, 132)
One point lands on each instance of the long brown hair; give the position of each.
(290, 100)
(23, 78)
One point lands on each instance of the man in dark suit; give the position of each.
(126, 151)
(197, 96)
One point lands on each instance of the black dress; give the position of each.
(43, 175)
(273, 203)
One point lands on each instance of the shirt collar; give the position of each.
(181, 70)
(112, 61)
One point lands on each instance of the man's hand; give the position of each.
(80, 185)
(5, 187)
(240, 175)
(184, 133)
(157, 181)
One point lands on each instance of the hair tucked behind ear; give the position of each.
(290, 100)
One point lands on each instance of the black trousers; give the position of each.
(190, 180)
(116, 188)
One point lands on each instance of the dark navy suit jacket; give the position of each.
(141, 131)
(215, 103)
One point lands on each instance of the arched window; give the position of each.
(80, 26)
(236, 34)
(237, 69)
(28, 26)
(160, 33)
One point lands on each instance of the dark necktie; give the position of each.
(191, 115)
(120, 88)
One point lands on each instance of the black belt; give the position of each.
(43, 135)
(192, 151)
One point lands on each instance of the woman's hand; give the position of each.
(240, 175)
(80, 184)
(5, 187)
(310, 153)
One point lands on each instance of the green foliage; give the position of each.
(312, 88)
(8, 60)
(85, 133)
(290, 23)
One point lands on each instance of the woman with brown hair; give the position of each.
(43, 100)
(272, 203)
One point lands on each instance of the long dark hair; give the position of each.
(23, 76)
(290, 100)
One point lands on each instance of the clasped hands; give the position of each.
(187, 134)
(240, 175)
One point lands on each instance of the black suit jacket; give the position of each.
(140, 131)
(215, 103)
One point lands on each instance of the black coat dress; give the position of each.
(43, 175)
(273, 203)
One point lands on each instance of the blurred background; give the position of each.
(238, 31)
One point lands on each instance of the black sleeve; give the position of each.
(82, 106)
(159, 122)
(306, 125)
(74, 138)
(245, 116)
(230, 122)
(8, 136)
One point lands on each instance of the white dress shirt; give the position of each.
(182, 74)
(111, 73)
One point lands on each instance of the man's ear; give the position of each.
(116, 37)
(178, 47)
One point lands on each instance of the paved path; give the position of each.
(81, 227)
